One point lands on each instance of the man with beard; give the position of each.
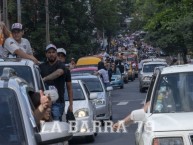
(53, 74)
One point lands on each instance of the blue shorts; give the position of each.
(57, 111)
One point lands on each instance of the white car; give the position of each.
(17, 121)
(146, 73)
(169, 118)
(103, 102)
(83, 109)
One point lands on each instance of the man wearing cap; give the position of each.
(53, 74)
(62, 57)
(18, 46)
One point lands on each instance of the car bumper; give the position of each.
(81, 130)
(102, 112)
(145, 84)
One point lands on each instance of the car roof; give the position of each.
(84, 68)
(16, 61)
(153, 59)
(155, 62)
(177, 69)
(86, 76)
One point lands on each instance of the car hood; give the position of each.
(100, 94)
(77, 105)
(170, 121)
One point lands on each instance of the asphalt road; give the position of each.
(124, 101)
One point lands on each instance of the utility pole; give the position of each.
(0, 11)
(47, 23)
(5, 16)
(19, 11)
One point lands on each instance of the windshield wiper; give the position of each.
(96, 91)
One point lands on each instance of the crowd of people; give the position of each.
(54, 72)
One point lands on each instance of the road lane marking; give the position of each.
(117, 101)
(122, 103)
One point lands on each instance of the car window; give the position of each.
(86, 89)
(174, 93)
(23, 72)
(150, 67)
(39, 80)
(93, 84)
(12, 132)
(77, 92)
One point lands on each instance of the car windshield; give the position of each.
(23, 72)
(11, 127)
(174, 93)
(117, 72)
(150, 67)
(77, 92)
(93, 84)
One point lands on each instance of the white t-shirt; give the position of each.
(104, 74)
(11, 45)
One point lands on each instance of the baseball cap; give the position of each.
(61, 50)
(16, 26)
(51, 46)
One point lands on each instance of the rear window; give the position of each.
(23, 72)
(150, 67)
(11, 129)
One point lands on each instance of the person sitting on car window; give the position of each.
(102, 71)
(41, 104)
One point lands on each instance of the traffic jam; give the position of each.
(96, 72)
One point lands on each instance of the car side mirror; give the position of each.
(110, 88)
(93, 96)
(53, 132)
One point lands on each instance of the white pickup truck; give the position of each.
(169, 118)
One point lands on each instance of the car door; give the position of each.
(91, 104)
(140, 128)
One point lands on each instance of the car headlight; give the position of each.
(168, 141)
(99, 101)
(146, 78)
(81, 113)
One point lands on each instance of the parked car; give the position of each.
(117, 79)
(82, 70)
(169, 117)
(17, 123)
(146, 73)
(103, 102)
(83, 109)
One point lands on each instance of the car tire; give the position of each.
(121, 87)
(141, 90)
(111, 117)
